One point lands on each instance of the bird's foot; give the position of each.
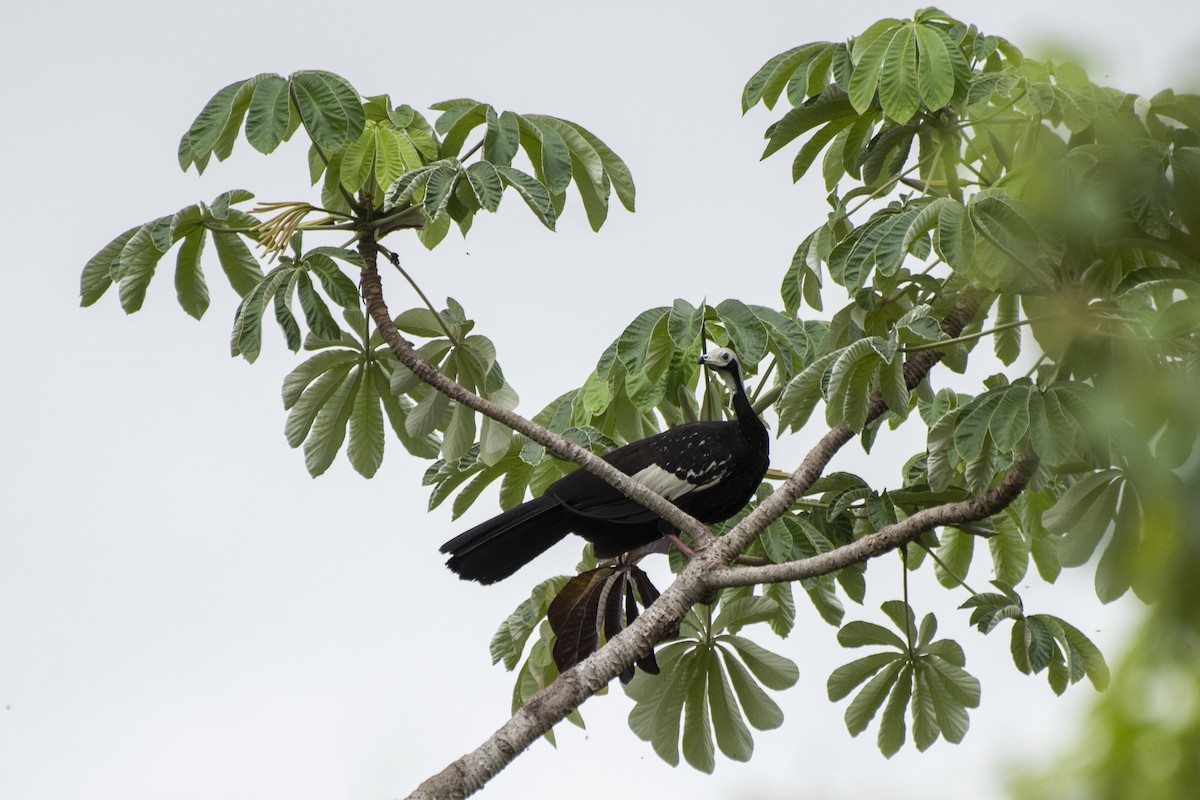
(674, 539)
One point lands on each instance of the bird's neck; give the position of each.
(741, 405)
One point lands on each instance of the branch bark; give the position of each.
(713, 555)
(886, 538)
(559, 446)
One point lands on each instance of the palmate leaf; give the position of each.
(292, 279)
(344, 390)
(768, 83)
(1083, 514)
(508, 643)
(329, 108)
(832, 104)
(131, 259)
(201, 138)
(560, 151)
(1038, 641)
(918, 673)
(326, 104)
(711, 685)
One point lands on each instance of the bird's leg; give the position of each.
(674, 539)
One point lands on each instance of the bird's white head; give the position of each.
(722, 360)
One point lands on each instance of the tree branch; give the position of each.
(888, 537)
(661, 620)
(559, 446)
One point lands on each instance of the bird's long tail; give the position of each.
(495, 549)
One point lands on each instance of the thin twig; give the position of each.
(395, 259)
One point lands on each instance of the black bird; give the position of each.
(708, 469)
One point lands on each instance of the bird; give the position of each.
(709, 469)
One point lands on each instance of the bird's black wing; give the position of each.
(672, 464)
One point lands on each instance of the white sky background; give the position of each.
(185, 613)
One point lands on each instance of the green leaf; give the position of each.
(299, 378)
(761, 711)
(329, 107)
(135, 265)
(340, 288)
(1083, 514)
(237, 112)
(460, 118)
(315, 395)
(733, 737)
(197, 144)
(1181, 318)
(850, 382)
(961, 687)
(748, 335)
(555, 161)
(1010, 422)
(502, 139)
(870, 51)
(98, 272)
(767, 83)
(316, 313)
(847, 677)
(955, 240)
(744, 611)
(532, 192)
(366, 426)
(239, 264)
(866, 703)
(830, 105)
(935, 73)
(508, 643)
(656, 716)
(329, 427)
(954, 551)
(616, 170)
(772, 670)
(924, 713)
(898, 77)
(427, 415)
(697, 725)
(1051, 433)
(803, 392)
(891, 725)
(861, 634)
(190, 287)
(974, 423)
(1009, 549)
(485, 184)
(246, 337)
(460, 433)
(269, 119)
(1093, 660)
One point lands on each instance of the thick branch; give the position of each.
(887, 538)
(559, 446)
(551, 705)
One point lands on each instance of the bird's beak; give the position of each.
(703, 358)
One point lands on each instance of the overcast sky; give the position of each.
(185, 613)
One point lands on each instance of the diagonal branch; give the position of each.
(886, 538)
(560, 446)
(661, 620)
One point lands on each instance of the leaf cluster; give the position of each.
(923, 676)
(1040, 641)
(712, 685)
